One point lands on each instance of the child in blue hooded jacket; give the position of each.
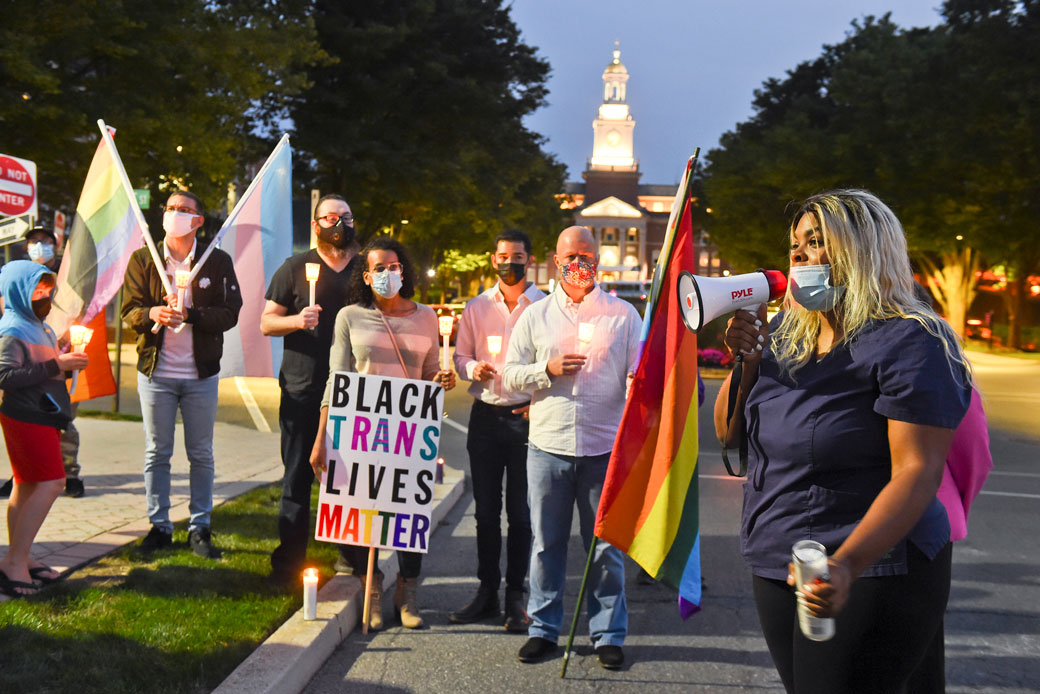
(34, 409)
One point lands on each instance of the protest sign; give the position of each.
(381, 447)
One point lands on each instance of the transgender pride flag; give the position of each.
(258, 237)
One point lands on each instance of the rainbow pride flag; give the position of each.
(649, 505)
(105, 231)
(258, 237)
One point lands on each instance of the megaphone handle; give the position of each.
(742, 446)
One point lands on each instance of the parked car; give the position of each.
(453, 310)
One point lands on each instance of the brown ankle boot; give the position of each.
(375, 609)
(406, 602)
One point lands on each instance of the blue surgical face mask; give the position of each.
(386, 284)
(811, 287)
(41, 252)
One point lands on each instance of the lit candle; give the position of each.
(585, 331)
(494, 343)
(445, 324)
(312, 269)
(79, 338)
(439, 479)
(182, 278)
(310, 594)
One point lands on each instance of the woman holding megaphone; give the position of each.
(848, 401)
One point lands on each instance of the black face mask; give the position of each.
(338, 235)
(41, 307)
(511, 273)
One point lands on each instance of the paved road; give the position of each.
(993, 621)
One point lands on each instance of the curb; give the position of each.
(290, 657)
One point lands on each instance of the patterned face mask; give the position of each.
(579, 273)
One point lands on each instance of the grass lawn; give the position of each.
(171, 622)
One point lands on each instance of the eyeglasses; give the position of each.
(180, 208)
(396, 268)
(332, 219)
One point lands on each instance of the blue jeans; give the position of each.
(555, 484)
(197, 400)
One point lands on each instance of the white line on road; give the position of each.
(1014, 494)
(455, 425)
(1015, 474)
(251, 406)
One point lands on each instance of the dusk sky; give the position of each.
(694, 64)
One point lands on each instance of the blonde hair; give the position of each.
(867, 249)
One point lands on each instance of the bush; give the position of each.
(714, 358)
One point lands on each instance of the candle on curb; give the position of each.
(445, 324)
(79, 338)
(312, 269)
(439, 479)
(310, 594)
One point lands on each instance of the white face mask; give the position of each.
(386, 284)
(41, 252)
(811, 287)
(177, 224)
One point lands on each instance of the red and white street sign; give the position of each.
(17, 187)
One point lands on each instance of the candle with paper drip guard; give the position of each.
(445, 324)
(494, 345)
(313, 270)
(310, 594)
(182, 278)
(79, 338)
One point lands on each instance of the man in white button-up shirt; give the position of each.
(574, 352)
(497, 439)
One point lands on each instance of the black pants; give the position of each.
(497, 445)
(408, 563)
(881, 635)
(298, 415)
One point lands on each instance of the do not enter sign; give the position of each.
(17, 186)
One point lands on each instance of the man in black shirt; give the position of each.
(308, 332)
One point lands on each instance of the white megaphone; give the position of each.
(706, 298)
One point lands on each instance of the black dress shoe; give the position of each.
(516, 616)
(201, 542)
(610, 657)
(5, 490)
(536, 649)
(483, 606)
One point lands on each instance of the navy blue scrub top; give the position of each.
(818, 449)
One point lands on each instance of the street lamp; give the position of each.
(431, 272)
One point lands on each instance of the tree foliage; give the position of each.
(203, 75)
(940, 123)
(420, 117)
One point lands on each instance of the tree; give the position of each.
(191, 86)
(420, 117)
(939, 123)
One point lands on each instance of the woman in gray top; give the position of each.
(382, 332)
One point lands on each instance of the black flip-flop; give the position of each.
(10, 588)
(37, 574)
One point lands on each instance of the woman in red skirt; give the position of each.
(35, 408)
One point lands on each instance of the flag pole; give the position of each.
(577, 607)
(159, 264)
(238, 207)
(682, 196)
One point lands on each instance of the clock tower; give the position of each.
(612, 141)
